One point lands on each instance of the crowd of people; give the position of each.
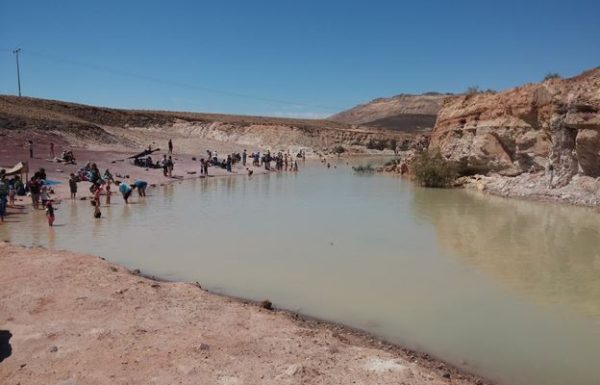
(39, 188)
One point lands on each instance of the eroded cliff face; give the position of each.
(525, 129)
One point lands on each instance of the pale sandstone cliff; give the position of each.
(525, 129)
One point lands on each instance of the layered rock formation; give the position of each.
(137, 128)
(401, 112)
(525, 129)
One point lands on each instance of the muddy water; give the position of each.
(505, 288)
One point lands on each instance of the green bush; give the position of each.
(392, 143)
(551, 75)
(432, 170)
(381, 144)
(376, 144)
(339, 150)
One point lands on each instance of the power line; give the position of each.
(177, 84)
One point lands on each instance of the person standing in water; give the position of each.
(170, 166)
(30, 143)
(108, 193)
(244, 156)
(50, 213)
(73, 186)
(228, 163)
(97, 212)
(170, 147)
(97, 194)
(165, 165)
(52, 150)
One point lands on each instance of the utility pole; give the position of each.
(16, 52)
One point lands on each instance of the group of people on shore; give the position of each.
(39, 187)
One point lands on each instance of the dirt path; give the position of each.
(76, 319)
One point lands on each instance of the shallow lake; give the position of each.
(505, 288)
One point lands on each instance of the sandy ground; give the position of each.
(83, 320)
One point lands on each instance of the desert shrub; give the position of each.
(364, 169)
(551, 75)
(376, 144)
(473, 90)
(339, 150)
(392, 143)
(432, 170)
(405, 145)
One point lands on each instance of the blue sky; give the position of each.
(288, 58)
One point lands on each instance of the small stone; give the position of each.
(446, 375)
(53, 349)
(266, 304)
(137, 272)
(204, 347)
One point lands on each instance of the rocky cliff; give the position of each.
(525, 129)
(401, 112)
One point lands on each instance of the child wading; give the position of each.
(73, 186)
(50, 213)
(97, 212)
(108, 193)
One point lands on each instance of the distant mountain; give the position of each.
(402, 112)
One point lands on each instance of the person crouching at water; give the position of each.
(50, 213)
(141, 187)
(125, 190)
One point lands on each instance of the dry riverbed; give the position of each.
(78, 319)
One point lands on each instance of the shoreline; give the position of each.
(433, 369)
(582, 192)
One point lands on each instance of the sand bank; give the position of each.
(77, 319)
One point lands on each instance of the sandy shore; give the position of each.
(77, 319)
(115, 159)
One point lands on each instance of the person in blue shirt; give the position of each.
(141, 187)
(125, 190)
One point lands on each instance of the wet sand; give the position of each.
(81, 319)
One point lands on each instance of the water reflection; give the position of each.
(547, 251)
